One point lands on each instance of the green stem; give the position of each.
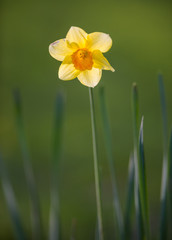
(109, 148)
(96, 170)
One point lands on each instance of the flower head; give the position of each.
(81, 55)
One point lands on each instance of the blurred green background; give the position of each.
(142, 47)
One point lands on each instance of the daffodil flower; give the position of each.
(81, 55)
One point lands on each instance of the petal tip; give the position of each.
(72, 27)
(59, 75)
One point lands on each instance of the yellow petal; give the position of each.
(100, 61)
(59, 49)
(99, 41)
(72, 45)
(90, 78)
(77, 35)
(67, 71)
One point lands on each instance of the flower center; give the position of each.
(82, 59)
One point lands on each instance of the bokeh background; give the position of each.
(142, 47)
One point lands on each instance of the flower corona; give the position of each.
(81, 55)
(82, 59)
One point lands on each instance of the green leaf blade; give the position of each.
(142, 183)
(129, 199)
(170, 176)
(54, 221)
(33, 193)
(164, 181)
(11, 202)
(135, 112)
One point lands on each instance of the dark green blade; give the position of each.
(164, 181)
(142, 182)
(54, 227)
(33, 193)
(11, 202)
(135, 111)
(170, 178)
(129, 199)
